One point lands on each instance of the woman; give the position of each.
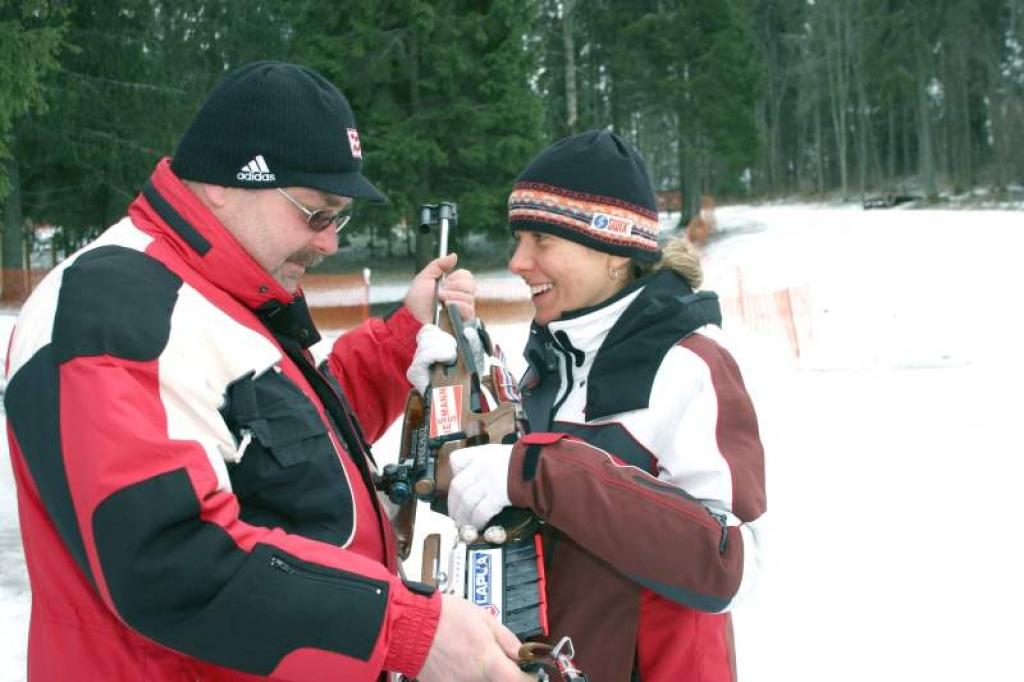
(644, 457)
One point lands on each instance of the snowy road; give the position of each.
(894, 457)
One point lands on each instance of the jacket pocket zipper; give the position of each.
(291, 569)
(723, 521)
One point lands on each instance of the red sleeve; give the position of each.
(370, 363)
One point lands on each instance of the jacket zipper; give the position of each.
(280, 564)
(723, 521)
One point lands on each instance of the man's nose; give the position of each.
(326, 241)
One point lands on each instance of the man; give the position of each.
(195, 496)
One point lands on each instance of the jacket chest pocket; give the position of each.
(290, 436)
(289, 475)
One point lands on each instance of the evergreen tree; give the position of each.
(706, 79)
(31, 35)
(441, 92)
(122, 96)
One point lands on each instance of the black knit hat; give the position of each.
(592, 188)
(273, 124)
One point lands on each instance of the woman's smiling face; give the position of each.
(563, 275)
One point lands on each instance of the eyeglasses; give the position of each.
(321, 219)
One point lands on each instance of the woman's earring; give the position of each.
(614, 273)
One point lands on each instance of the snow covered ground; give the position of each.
(894, 457)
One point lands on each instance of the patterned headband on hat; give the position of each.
(593, 189)
(606, 223)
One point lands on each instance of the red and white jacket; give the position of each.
(195, 496)
(646, 463)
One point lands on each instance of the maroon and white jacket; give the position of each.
(646, 463)
(195, 496)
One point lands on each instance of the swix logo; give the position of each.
(603, 221)
(446, 411)
(481, 581)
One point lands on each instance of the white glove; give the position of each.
(479, 486)
(476, 345)
(432, 345)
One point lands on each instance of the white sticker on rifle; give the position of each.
(445, 411)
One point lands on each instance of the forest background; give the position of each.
(738, 99)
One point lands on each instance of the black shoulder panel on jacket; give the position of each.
(613, 438)
(184, 583)
(32, 402)
(114, 301)
(666, 311)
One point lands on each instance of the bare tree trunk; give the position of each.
(569, 46)
(778, 156)
(946, 151)
(424, 238)
(801, 124)
(906, 117)
(967, 161)
(13, 283)
(689, 177)
(922, 82)
(890, 160)
(836, 56)
(819, 150)
(768, 120)
(767, 179)
(997, 100)
(863, 121)
(1008, 105)
(926, 159)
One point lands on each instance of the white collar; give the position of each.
(588, 331)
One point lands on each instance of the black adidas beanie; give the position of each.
(591, 188)
(273, 124)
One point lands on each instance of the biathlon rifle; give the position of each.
(473, 401)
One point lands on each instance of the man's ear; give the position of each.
(215, 196)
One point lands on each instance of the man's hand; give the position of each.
(479, 486)
(471, 645)
(459, 288)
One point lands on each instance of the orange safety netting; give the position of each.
(340, 302)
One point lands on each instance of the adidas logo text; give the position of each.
(256, 171)
(255, 176)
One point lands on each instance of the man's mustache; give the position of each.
(307, 258)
